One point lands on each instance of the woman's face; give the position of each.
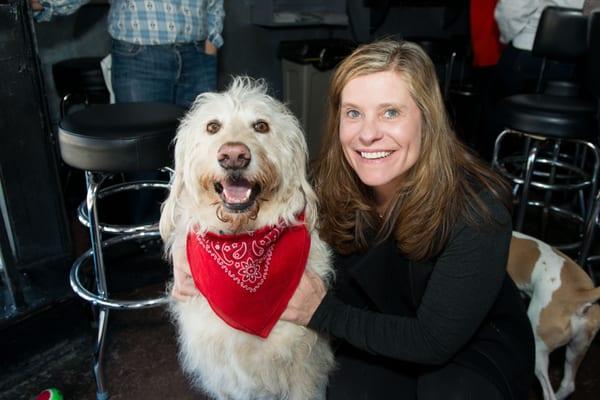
(380, 130)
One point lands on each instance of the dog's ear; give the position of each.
(169, 213)
(581, 311)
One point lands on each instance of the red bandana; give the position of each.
(248, 279)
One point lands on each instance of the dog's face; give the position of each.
(240, 159)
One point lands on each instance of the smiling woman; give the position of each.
(422, 306)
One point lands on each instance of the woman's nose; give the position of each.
(370, 131)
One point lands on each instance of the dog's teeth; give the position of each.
(375, 154)
(237, 194)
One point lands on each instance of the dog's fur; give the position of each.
(292, 362)
(562, 309)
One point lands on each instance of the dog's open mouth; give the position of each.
(237, 194)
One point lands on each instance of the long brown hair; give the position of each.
(441, 188)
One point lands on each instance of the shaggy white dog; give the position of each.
(240, 165)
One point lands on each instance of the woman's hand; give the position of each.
(183, 283)
(306, 299)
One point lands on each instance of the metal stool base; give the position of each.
(100, 298)
(543, 165)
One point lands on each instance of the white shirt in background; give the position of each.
(518, 19)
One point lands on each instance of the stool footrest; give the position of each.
(118, 188)
(106, 302)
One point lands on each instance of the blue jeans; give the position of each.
(172, 73)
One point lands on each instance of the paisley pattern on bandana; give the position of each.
(245, 262)
(249, 278)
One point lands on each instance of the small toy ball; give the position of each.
(50, 394)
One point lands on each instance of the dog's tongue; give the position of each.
(237, 192)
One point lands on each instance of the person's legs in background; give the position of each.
(197, 73)
(143, 73)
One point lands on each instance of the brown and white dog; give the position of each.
(562, 310)
(240, 171)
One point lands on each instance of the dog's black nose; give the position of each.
(234, 156)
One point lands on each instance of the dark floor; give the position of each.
(141, 363)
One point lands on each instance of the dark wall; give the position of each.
(33, 229)
(83, 34)
(249, 48)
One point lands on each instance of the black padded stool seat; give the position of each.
(562, 117)
(122, 137)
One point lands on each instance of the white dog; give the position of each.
(562, 310)
(240, 190)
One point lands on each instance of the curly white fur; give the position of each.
(293, 362)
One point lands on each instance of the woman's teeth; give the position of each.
(375, 155)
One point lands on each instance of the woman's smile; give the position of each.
(374, 155)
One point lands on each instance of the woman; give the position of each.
(422, 306)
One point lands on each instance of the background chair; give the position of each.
(593, 79)
(556, 171)
(102, 140)
(79, 80)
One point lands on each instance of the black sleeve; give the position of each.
(463, 286)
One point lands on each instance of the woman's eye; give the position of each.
(261, 127)
(352, 114)
(213, 127)
(391, 113)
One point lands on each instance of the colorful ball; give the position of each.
(50, 394)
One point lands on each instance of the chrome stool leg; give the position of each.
(98, 358)
(93, 184)
(584, 260)
(526, 185)
(548, 195)
(100, 300)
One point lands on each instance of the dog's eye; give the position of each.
(213, 127)
(261, 127)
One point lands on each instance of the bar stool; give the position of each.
(102, 140)
(556, 130)
(593, 80)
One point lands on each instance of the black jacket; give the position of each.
(392, 318)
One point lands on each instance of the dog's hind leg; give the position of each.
(573, 355)
(541, 370)
(585, 327)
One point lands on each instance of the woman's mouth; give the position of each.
(374, 155)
